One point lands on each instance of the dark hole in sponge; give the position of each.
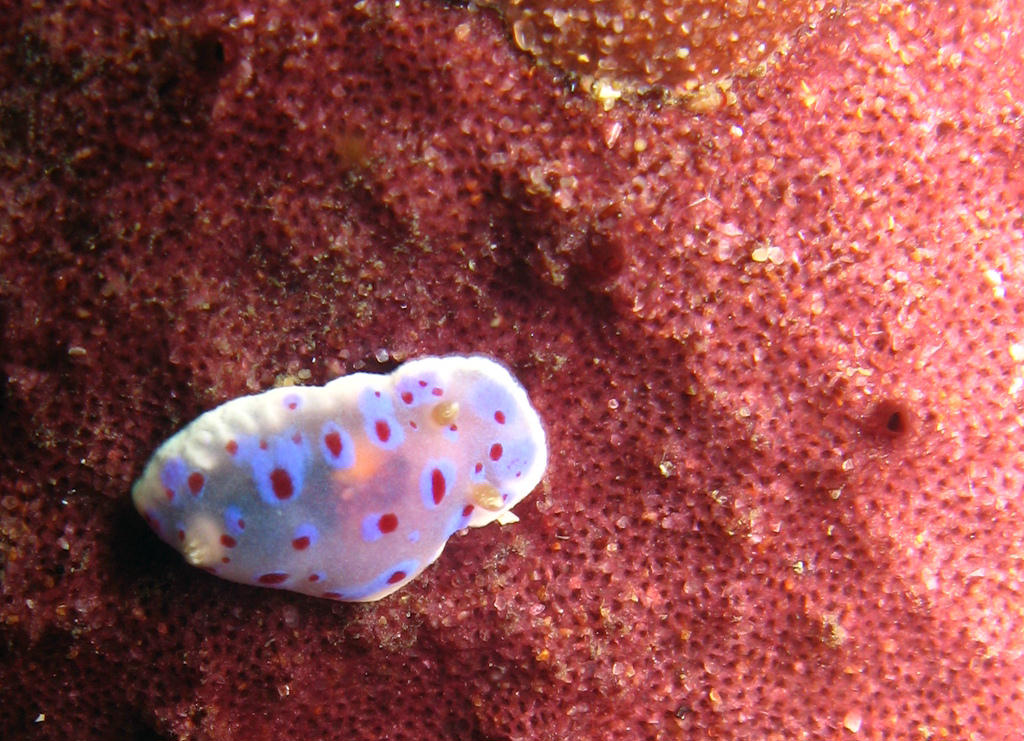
(896, 424)
(889, 420)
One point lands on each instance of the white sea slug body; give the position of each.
(348, 490)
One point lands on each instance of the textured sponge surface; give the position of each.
(778, 349)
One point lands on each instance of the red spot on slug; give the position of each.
(227, 541)
(225, 559)
(478, 467)
(423, 384)
(263, 445)
(274, 577)
(383, 430)
(297, 438)
(195, 482)
(241, 524)
(396, 577)
(407, 397)
(301, 543)
(314, 577)
(333, 442)
(169, 493)
(467, 510)
(231, 446)
(181, 535)
(281, 483)
(496, 451)
(437, 485)
(499, 417)
(388, 523)
(436, 391)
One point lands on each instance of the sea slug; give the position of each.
(348, 490)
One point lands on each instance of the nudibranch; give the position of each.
(348, 490)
